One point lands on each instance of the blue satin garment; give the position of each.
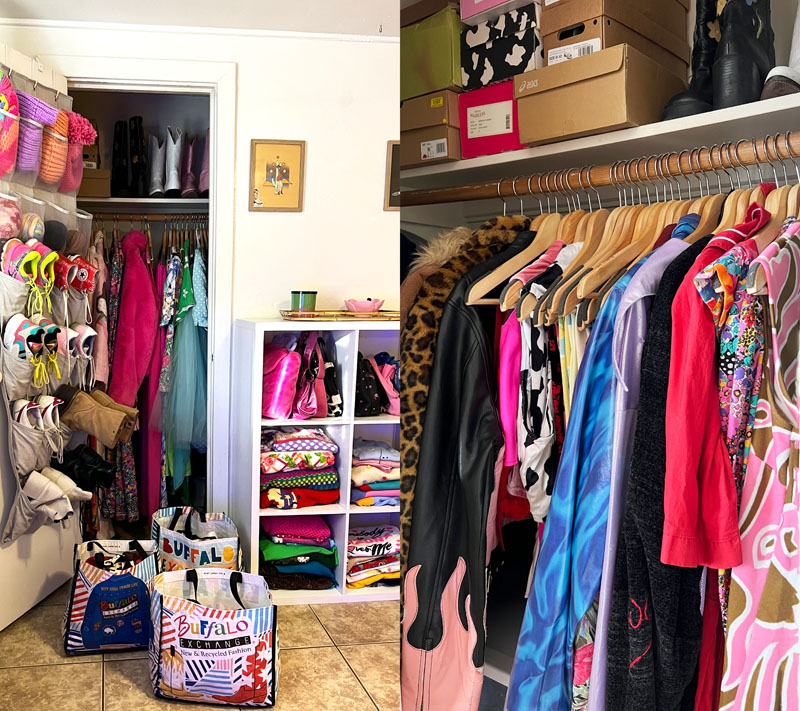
(568, 571)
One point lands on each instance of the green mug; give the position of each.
(304, 300)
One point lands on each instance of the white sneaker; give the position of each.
(172, 186)
(47, 497)
(48, 406)
(27, 413)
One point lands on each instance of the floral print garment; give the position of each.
(584, 649)
(172, 287)
(739, 320)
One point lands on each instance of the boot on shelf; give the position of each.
(120, 187)
(138, 158)
(746, 52)
(786, 80)
(203, 185)
(188, 186)
(158, 156)
(698, 97)
(172, 186)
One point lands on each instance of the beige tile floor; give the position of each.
(333, 658)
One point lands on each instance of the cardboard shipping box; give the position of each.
(433, 144)
(489, 121)
(430, 55)
(474, 12)
(604, 91)
(95, 183)
(671, 15)
(440, 107)
(581, 27)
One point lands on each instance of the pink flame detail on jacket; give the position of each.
(444, 677)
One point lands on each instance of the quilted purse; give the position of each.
(311, 400)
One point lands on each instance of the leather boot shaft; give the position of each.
(158, 157)
(120, 186)
(188, 185)
(174, 141)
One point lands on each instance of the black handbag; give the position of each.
(332, 391)
(371, 398)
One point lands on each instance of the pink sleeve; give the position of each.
(508, 370)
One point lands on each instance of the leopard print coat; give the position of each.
(418, 344)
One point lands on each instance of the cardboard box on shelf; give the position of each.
(489, 121)
(670, 15)
(501, 48)
(473, 12)
(424, 8)
(440, 107)
(433, 144)
(91, 154)
(575, 28)
(604, 91)
(96, 183)
(430, 58)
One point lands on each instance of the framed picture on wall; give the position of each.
(391, 199)
(277, 174)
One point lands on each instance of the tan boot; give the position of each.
(81, 412)
(131, 414)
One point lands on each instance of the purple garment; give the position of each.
(630, 329)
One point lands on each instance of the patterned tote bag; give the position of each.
(189, 539)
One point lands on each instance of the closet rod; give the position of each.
(741, 153)
(108, 216)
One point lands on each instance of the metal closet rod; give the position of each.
(742, 153)
(108, 215)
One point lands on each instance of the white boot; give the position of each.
(70, 488)
(158, 156)
(786, 80)
(47, 497)
(172, 188)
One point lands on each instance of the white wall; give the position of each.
(339, 94)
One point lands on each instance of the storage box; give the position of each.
(425, 8)
(430, 58)
(91, 154)
(671, 15)
(473, 12)
(95, 183)
(433, 144)
(579, 27)
(489, 122)
(610, 89)
(430, 110)
(500, 49)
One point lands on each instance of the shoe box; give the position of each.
(429, 129)
(474, 12)
(501, 48)
(657, 28)
(488, 120)
(96, 183)
(430, 58)
(603, 91)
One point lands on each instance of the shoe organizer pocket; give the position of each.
(30, 449)
(61, 375)
(77, 307)
(23, 518)
(79, 371)
(13, 297)
(18, 377)
(57, 313)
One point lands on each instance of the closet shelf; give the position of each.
(757, 119)
(356, 510)
(180, 205)
(312, 422)
(325, 509)
(379, 420)
(385, 592)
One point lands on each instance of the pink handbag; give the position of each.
(385, 375)
(311, 400)
(279, 384)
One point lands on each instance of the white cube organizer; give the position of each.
(368, 337)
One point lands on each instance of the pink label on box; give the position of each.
(489, 122)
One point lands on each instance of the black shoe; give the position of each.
(697, 98)
(138, 158)
(120, 187)
(746, 53)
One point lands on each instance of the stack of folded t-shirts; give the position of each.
(376, 474)
(297, 553)
(373, 556)
(298, 468)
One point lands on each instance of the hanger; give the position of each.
(777, 204)
(793, 206)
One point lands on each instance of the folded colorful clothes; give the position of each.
(293, 581)
(315, 557)
(367, 474)
(280, 552)
(378, 501)
(296, 439)
(374, 449)
(307, 526)
(382, 578)
(385, 466)
(272, 462)
(319, 479)
(357, 494)
(373, 541)
(310, 568)
(278, 498)
(381, 485)
(330, 543)
(358, 568)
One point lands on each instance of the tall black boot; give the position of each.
(119, 161)
(697, 98)
(138, 158)
(746, 52)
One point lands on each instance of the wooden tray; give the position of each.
(339, 315)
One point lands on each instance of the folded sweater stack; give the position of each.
(373, 556)
(297, 553)
(375, 474)
(298, 468)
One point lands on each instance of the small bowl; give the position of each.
(363, 307)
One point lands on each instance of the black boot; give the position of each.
(138, 158)
(697, 98)
(119, 161)
(745, 55)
